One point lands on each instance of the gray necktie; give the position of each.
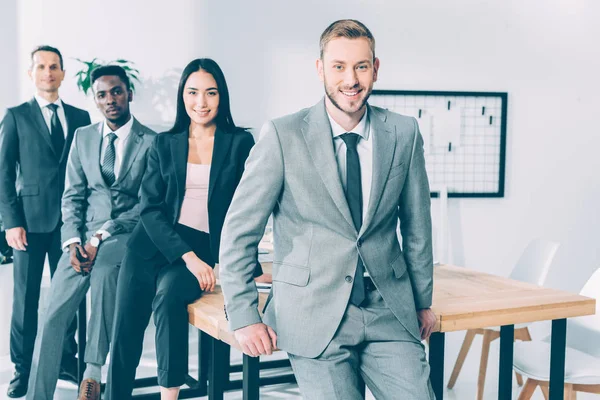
(108, 164)
(57, 134)
(354, 199)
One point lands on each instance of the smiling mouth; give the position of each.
(203, 113)
(351, 93)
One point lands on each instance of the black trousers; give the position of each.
(28, 270)
(147, 286)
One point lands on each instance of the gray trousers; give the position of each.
(371, 344)
(67, 290)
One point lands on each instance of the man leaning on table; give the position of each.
(347, 302)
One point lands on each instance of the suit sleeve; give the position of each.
(74, 200)
(252, 204)
(415, 225)
(246, 146)
(10, 209)
(153, 208)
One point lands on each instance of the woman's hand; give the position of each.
(201, 270)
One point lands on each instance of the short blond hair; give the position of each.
(346, 28)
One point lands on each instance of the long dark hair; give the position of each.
(224, 120)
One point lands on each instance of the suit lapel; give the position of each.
(93, 147)
(38, 119)
(70, 116)
(384, 147)
(131, 150)
(179, 153)
(220, 152)
(318, 137)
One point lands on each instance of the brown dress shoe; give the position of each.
(89, 390)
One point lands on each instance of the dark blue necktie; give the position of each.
(354, 199)
(57, 134)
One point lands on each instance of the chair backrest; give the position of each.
(591, 289)
(534, 263)
(583, 333)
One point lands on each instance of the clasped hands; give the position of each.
(82, 257)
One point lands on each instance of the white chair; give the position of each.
(532, 267)
(582, 362)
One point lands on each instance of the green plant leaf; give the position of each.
(84, 75)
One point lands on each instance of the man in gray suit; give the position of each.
(100, 209)
(35, 138)
(347, 303)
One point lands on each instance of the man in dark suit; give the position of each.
(35, 138)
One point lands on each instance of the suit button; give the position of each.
(348, 279)
(359, 243)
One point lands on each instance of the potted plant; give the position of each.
(84, 81)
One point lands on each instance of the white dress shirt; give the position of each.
(364, 148)
(120, 143)
(47, 113)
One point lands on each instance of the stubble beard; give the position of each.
(330, 92)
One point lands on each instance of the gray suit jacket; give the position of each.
(292, 173)
(88, 203)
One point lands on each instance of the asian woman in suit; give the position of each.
(191, 176)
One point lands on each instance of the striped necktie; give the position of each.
(108, 164)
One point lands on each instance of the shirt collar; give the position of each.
(42, 102)
(361, 129)
(122, 132)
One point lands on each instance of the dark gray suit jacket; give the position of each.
(32, 174)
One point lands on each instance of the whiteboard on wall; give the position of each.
(464, 135)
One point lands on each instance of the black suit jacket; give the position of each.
(32, 174)
(163, 189)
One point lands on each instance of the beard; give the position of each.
(331, 92)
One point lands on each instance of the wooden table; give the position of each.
(208, 315)
(467, 299)
(463, 299)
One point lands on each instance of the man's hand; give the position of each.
(426, 322)
(91, 252)
(264, 278)
(201, 270)
(257, 339)
(75, 262)
(17, 238)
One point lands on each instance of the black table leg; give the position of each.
(81, 339)
(251, 377)
(436, 363)
(507, 338)
(557, 359)
(204, 352)
(218, 371)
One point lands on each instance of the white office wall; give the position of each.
(8, 50)
(544, 53)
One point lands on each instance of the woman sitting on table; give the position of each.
(191, 176)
